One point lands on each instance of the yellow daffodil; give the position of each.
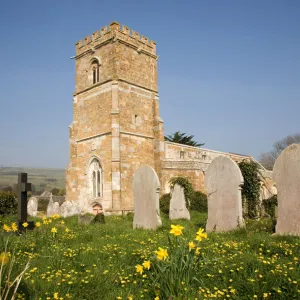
(25, 224)
(176, 230)
(201, 234)
(139, 269)
(67, 230)
(197, 251)
(162, 254)
(146, 264)
(156, 298)
(54, 230)
(3, 258)
(14, 227)
(38, 224)
(191, 246)
(55, 296)
(6, 228)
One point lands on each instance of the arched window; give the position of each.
(95, 179)
(95, 66)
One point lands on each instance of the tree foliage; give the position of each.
(251, 187)
(182, 138)
(8, 203)
(268, 159)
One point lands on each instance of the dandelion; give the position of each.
(38, 224)
(3, 258)
(191, 246)
(139, 269)
(162, 254)
(176, 230)
(25, 224)
(146, 264)
(201, 235)
(54, 230)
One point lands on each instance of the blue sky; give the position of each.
(228, 71)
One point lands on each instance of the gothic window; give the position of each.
(182, 154)
(95, 66)
(95, 179)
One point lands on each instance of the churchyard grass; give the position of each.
(100, 261)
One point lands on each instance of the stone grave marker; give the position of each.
(286, 174)
(223, 182)
(50, 207)
(21, 188)
(178, 208)
(56, 209)
(146, 198)
(32, 206)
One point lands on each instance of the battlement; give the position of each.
(114, 32)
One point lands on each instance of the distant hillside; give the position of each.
(41, 178)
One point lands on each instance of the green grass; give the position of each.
(98, 261)
(41, 178)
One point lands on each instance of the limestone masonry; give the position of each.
(116, 123)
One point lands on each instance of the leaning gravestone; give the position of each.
(32, 206)
(223, 181)
(178, 208)
(146, 198)
(286, 174)
(69, 208)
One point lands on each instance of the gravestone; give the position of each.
(69, 208)
(286, 174)
(50, 207)
(56, 210)
(21, 188)
(146, 198)
(223, 182)
(178, 208)
(32, 206)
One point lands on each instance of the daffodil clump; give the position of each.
(172, 268)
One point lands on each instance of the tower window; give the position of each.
(95, 179)
(95, 68)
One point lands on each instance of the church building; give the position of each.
(117, 126)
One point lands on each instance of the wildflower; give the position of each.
(3, 258)
(201, 235)
(38, 224)
(197, 251)
(67, 230)
(55, 296)
(162, 254)
(54, 230)
(62, 222)
(14, 227)
(176, 230)
(191, 246)
(146, 264)
(139, 269)
(25, 224)
(156, 298)
(6, 228)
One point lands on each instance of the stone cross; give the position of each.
(21, 188)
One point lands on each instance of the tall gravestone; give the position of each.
(178, 208)
(50, 206)
(286, 173)
(223, 181)
(146, 198)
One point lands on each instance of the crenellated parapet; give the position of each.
(113, 33)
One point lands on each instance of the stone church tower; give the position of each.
(116, 124)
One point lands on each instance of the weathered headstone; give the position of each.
(56, 210)
(32, 206)
(146, 198)
(69, 208)
(21, 188)
(50, 207)
(178, 208)
(286, 174)
(223, 182)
